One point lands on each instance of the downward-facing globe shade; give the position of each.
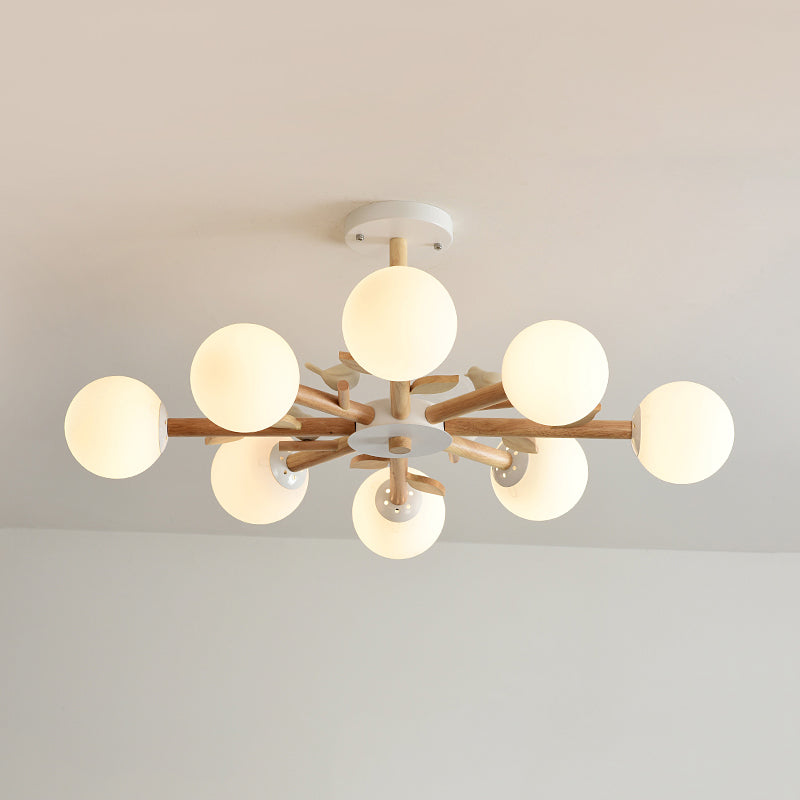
(555, 372)
(396, 539)
(116, 427)
(244, 485)
(554, 481)
(399, 323)
(682, 432)
(244, 377)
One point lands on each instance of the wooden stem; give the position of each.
(475, 451)
(329, 403)
(319, 444)
(343, 387)
(492, 426)
(300, 461)
(398, 252)
(472, 401)
(400, 396)
(309, 426)
(399, 445)
(398, 481)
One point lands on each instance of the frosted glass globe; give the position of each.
(245, 486)
(244, 377)
(553, 482)
(396, 539)
(399, 323)
(682, 432)
(555, 372)
(116, 427)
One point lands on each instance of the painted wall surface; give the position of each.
(192, 667)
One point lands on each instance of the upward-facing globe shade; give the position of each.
(116, 427)
(244, 377)
(682, 432)
(399, 323)
(554, 481)
(396, 539)
(244, 485)
(555, 372)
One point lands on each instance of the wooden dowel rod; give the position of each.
(398, 252)
(309, 426)
(475, 451)
(329, 403)
(398, 481)
(400, 445)
(343, 388)
(300, 461)
(472, 401)
(400, 397)
(319, 444)
(492, 426)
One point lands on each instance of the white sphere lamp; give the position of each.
(250, 480)
(543, 485)
(399, 323)
(244, 377)
(682, 432)
(116, 427)
(374, 518)
(555, 372)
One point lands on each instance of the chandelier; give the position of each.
(399, 324)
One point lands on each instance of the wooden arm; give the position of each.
(300, 461)
(482, 453)
(493, 426)
(398, 481)
(400, 398)
(329, 403)
(311, 426)
(463, 404)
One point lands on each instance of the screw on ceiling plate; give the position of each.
(359, 237)
(438, 246)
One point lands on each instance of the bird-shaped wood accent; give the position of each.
(338, 372)
(481, 378)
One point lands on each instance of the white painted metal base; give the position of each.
(426, 439)
(423, 226)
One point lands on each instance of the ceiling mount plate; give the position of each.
(424, 227)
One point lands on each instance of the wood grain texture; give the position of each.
(434, 384)
(494, 426)
(343, 389)
(364, 461)
(300, 461)
(313, 426)
(329, 403)
(482, 453)
(463, 404)
(316, 445)
(400, 398)
(398, 252)
(398, 481)
(422, 483)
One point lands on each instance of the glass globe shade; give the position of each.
(244, 485)
(682, 432)
(553, 483)
(244, 377)
(399, 323)
(555, 372)
(116, 427)
(396, 539)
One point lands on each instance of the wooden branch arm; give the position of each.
(400, 398)
(317, 445)
(482, 453)
(472, 401)
(398, 481)
(329, 403)
(300, 461)
(493, 426)
(309, 426)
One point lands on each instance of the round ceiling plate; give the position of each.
(424, 227)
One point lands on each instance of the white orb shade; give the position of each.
(243, 483)
(555, 372)
(396, 539)
(553, 483)
(399, 323)
(116, 427)
(244, 377)
(682, 432)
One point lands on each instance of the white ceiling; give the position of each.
(168, 168)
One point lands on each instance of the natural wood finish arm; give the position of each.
(309, 426)
(400, 398)
(463, 404)
(494, 426)
(300, 461)
(398, 482)
(329, 403)
(475, 451)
